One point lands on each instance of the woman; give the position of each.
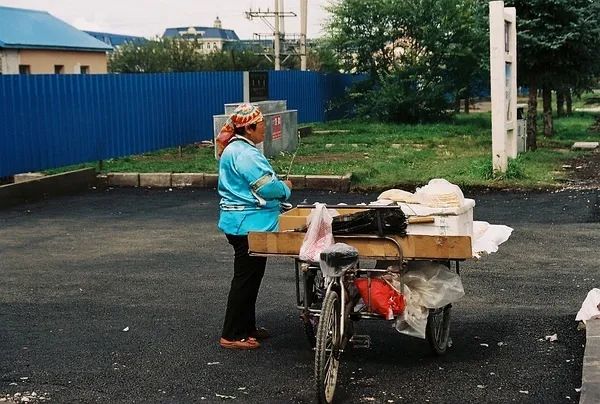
(251, 197)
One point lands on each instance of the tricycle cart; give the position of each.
(328, 305)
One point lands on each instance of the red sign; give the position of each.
(276, 127)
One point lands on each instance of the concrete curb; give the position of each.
(336, 183)
(50, 185)
(590, 375)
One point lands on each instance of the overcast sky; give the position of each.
(150, 17)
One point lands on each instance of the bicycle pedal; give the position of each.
(361, 341)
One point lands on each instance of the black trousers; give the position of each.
(240, 317)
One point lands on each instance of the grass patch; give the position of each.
(382, 155)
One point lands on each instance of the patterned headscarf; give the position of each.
(243, 115)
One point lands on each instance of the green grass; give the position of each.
(386, 155)
(193, 159)
(459, 151)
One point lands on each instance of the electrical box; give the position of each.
(281, 126)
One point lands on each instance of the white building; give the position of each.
(210, 39)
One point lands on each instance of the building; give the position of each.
(35, 42)
(210, 39)
(116, 40)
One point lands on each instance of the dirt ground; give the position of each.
(585, 172)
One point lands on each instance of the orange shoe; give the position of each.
(260, 333)
(243, 344)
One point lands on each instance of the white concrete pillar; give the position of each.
(503, 74)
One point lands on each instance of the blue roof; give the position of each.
(203, 32)
(116, 39)
(32, 29)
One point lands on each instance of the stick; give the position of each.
(293, 157)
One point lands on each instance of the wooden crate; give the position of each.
(287, 243)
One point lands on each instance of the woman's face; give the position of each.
(257, 135)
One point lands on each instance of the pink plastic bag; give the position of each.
(319, 234)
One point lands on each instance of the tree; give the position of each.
(558, 49)
(420, 54)
(322, 57)
(177, 55)
(156, 56)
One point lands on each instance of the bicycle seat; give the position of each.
(339, 255)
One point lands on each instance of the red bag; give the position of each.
(385, 300)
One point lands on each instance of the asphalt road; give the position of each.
(75, 272)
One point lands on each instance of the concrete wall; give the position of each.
(43, 61)
(9, 61)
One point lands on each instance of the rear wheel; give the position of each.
(438, 329)
(327, 350)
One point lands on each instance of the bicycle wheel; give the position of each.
(438, 329)
(327, 355)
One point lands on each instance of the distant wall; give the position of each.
(9, 61)
(43, 61)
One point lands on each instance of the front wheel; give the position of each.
(438, 329)
(327, 355)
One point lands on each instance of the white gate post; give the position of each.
(503, 74)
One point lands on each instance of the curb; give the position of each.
(590, 375)
(336, 183)
(50, 185)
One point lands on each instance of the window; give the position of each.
(84, 70)
(24, 69)
(59, 69)
(201, 46)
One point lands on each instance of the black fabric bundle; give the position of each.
(393, 222)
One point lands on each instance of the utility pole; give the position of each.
(303, 19)
(277, 27)
(277, 37)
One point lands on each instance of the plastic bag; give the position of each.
(413, 320)
(385, 300)
(426, 285)
(344, 255)
(318, 235)
(439, 193)
(436, 285)
(487, 237)
(589, 308)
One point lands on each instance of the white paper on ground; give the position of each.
(487, 237)
(589, 308)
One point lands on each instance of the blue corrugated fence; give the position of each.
(311, 93)
(49, 121)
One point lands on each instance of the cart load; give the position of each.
(417, 241)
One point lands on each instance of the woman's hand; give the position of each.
(288, 183)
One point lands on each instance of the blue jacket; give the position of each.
(250, 191)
